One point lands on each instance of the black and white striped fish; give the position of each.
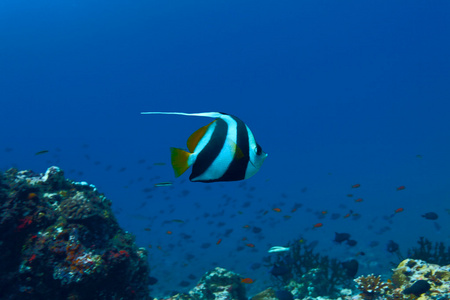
(223, 150)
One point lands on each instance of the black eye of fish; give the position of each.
(258, 149)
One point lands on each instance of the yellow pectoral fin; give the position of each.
(238, 152)
(179, 159)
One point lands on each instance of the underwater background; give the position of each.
(337, 93)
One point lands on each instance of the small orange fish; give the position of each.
(247, 280)
(276, 209)
(402, 187)
(318, 225)
(219, 241)
(356, 186)
(346, 216)
(32, 196)
(359, 200)
(159, 247)
(250, 245)
(246, 226)
(244, 238)
(324, 212)
(169, 232)
(398, 210)
(293, 210)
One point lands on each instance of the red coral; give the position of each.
(123, 252)
(24, 223)
(33, 257)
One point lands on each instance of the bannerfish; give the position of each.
(223, 150)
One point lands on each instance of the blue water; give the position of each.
(337, 93)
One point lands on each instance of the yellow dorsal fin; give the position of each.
(179, 159)
(193, 140)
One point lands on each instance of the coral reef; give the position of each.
(412, 279)
(219, 284)
(433, 254)
(409, 272)
(60, 240)
(307, 273)
(372, 286)
(267, 294)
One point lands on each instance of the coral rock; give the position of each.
(268, 294)
(410, 271)
(219, 284)
(60, 240)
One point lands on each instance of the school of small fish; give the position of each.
(239, 222)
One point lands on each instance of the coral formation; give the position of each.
(372, 286)
(60, 240)
(219, 284)
(433, 254)
(411, 271)
(307, 273)
(267, 294)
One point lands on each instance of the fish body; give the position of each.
(276, 249)
(247, 280)
(430, 216)
(351, 267)
(392, 246)
(41, 152)
(161, 184)
(341, 237)
(399, 210)
(223, 150)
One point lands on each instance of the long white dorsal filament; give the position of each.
(205, 114)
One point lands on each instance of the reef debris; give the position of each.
(60, 240)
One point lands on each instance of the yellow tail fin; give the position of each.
(179, 159)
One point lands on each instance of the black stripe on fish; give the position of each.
(238, 166)
(210, 152)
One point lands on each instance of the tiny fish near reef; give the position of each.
(223, 150)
